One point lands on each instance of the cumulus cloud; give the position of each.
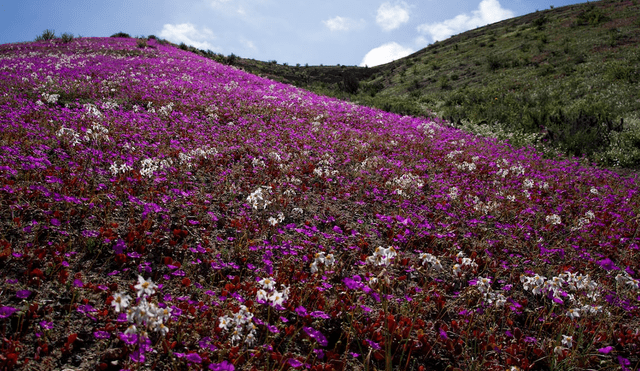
(489, 11)
(391, 16)
(188, 34)
(342, 24)
(384, 54)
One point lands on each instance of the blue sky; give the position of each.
(329, 32)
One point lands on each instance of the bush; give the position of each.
(151, 37)
(349, 83)
(66, 37)
(592, 16)
(46, 35)
(142, 43)
(121, 34)
(495, 62)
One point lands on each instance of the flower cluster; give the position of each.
(463, 263)
(559, 287)
(258, 198)
(148, 166)
(268, 293)
(241, 326)
(144, 313)
(321, 261)
(431, 259)
(624, 278)
(382, 256)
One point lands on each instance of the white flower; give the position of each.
(131, 330)
(573, 313)
(453, 193)
(261, 295)
(457, 270)
(553, 219)
(161, 328)
(329, 260)
(120, 302)
(382, 256)
(558, 350)
(567, 341)
(276, 298)
(267, 283)
(225, 322)
(145, 287)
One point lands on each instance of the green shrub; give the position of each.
(349, 83)
(496, 62)
(151, 37)
(46, 35)
(121, 34)
(540, 21)
(183, 46)
(66, 37)
(142, 43)
(592, 16)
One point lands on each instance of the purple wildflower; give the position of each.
(224, 366)
(23, 294)
(7, 311)
(194, 358)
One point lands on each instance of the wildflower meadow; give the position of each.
(160, 210)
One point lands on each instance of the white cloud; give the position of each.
(489, 11)
(215, 3)
(248, 44)
(188, 34)
(384, 54)
(390, 16)
(342, 24)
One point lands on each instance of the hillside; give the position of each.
(164, 211)
(565, 77)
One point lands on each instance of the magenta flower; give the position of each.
(194, 357)
(605, 350)
(294, 362)
(7, 311)
(23, 294)
(317, 335)
(224, 366)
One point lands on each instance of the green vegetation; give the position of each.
(563, 79)
(46, 35)
(121, 34)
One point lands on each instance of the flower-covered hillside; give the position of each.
(163, 211)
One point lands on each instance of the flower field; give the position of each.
(162, 211)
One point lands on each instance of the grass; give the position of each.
(161, 210)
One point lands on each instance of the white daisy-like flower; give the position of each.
(267, 283)
(261, 295)
(276, 298)
(573, 313)
(567, 341)
(120, 301)
(145, 287)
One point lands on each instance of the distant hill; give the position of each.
(563, 77)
